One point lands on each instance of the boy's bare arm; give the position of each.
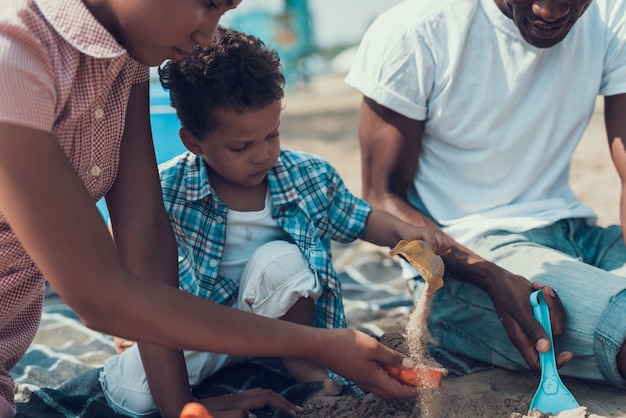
(385, 229)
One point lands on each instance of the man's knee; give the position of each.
(610, 341)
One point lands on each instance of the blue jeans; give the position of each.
(584, 263)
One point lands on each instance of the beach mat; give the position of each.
(58, 376)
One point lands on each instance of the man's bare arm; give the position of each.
(390, 148)
(615, 121)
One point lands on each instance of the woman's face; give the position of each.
(153, 31)
(544, 23)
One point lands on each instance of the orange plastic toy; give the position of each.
(418, 376)
(195, 410)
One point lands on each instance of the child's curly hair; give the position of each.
(237, 72)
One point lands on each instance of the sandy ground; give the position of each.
(322, 119)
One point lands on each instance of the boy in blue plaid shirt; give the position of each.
(253, 222)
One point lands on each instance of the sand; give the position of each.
(323, 119)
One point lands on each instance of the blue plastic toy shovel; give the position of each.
(552, 396)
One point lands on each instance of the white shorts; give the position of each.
(274, 279)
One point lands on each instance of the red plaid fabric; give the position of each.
(61, 72)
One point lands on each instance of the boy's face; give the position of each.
(245, 146)
(544, 23)
(155, 30)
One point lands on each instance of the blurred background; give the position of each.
(316, 41)
(313, 37)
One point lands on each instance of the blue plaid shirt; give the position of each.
(310, 202)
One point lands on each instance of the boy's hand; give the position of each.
(440, 243)
(385, 229)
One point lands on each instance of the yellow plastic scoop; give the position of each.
(430, 267)
(428, 264)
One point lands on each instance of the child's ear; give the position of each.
(190, 141)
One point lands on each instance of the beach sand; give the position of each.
(322, 119)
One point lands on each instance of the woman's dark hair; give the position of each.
(237, 72)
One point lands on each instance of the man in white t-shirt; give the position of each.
(471, 112)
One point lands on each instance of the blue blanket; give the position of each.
(58, 376)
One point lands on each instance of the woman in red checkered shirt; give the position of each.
(74, 126)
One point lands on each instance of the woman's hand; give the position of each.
(240, 405)
(360, 358)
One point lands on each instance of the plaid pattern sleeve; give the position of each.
(199, 223)
(310, 202)
(313, 205)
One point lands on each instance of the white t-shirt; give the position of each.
(245, 232)
(502, 118)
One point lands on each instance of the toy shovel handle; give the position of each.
(547, 360)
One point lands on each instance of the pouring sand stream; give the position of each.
(431, 268)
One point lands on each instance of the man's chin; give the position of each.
(543, 43)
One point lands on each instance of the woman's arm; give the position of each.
(146, 243)
(56, 221)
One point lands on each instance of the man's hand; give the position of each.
(511, 300)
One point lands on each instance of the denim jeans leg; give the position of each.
(463, 319)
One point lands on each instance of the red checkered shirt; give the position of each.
(60, 72)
